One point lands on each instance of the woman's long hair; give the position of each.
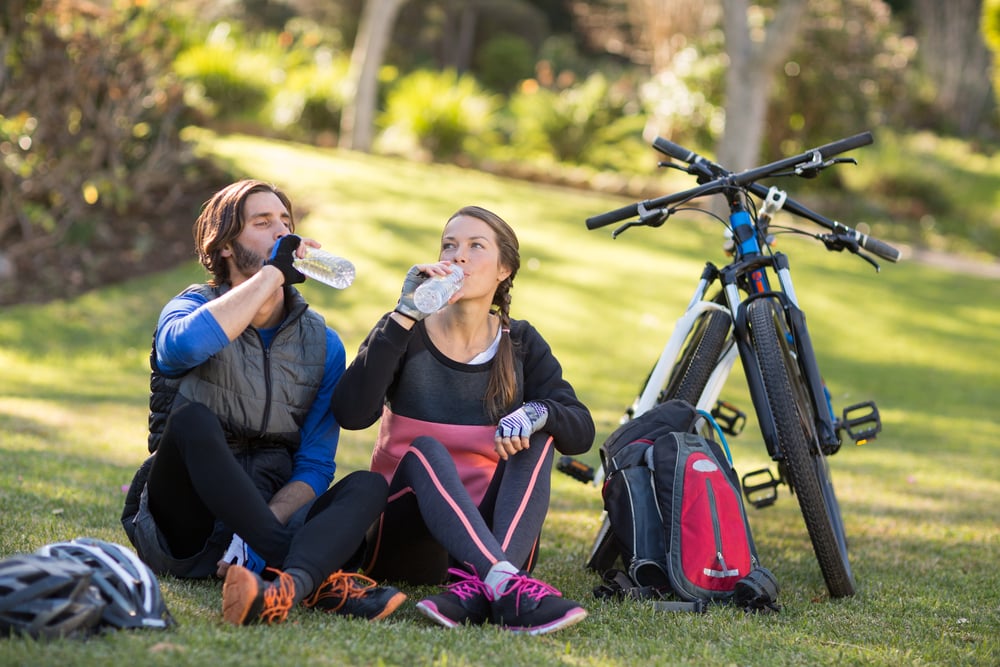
(502, 387)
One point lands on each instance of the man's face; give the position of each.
(265, 221)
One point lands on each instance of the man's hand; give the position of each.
(282, 257)
(514, 431)
(240, 553)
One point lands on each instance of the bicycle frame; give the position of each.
(736, 307)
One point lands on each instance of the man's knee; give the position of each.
(191, 417)
(369, 487)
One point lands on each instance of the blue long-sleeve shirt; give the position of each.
(187, 334)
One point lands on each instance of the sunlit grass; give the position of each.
(920, 502)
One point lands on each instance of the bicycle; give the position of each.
(755, 315)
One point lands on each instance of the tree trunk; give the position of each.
(753, 63)
(955, 58)
(357, 123)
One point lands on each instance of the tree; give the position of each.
(378, 17)
(991, 33)
(755, 52)
(954, 57)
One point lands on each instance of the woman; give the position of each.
(472, 405)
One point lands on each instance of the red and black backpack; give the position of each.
(677, 518)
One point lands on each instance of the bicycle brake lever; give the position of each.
(647, 218)
(620, 230)
(674, 165)
(651, 217)
(812, 169)
(840, 242)
(868, 258)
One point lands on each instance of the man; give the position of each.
(241, 431)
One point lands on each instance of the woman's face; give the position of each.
(472, 244)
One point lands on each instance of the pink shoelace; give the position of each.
(468, 585)
(523, 585)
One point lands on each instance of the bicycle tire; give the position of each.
(805, 465)
(699, 357)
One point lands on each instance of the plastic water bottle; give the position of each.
(433, 294)
(325, 267)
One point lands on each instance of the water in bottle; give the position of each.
(325, 267)
(433, 294)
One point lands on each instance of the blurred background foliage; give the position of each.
(94, 95)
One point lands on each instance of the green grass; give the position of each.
(920, 503)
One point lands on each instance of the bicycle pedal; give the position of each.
(730, 419)
(861, 427)
(760, 494)
(578, 470)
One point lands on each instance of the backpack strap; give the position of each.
(757, 592)
(618, 585)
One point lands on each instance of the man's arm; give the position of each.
(237, 309)
(289, 499)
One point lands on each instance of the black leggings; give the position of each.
(195, 480)
(431, 523)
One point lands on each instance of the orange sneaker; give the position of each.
(247, 598)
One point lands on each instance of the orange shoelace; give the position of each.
(278, 598)
(341, 586)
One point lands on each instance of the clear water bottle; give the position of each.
(325, 267)
(433, 294)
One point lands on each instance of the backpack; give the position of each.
(677, 519)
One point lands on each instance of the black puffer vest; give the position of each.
(261, 396)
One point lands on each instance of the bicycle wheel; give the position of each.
(698, 358)
(805, 465)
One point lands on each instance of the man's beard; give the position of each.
(248, 262)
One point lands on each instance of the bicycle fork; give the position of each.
(861, 421)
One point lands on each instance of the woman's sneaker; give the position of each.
(530, 606)
(247, 598)
(352, 594)
(466, 601)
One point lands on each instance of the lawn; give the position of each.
(920, 503)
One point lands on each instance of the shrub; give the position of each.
(504, 61)
(94, 170)
(225, 81)
(311, 100)
(437, 115)
(584, 123)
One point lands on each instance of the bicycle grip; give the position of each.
(676, 151)
(844, 145)
(603, 219)
(880, 248)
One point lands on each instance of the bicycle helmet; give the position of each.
(47, 597)
(126, 583)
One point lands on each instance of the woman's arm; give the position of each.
(569, 421)
(360, 394)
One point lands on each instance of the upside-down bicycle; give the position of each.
(755, 315)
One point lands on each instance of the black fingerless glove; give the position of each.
(282, 257)
(405, 306)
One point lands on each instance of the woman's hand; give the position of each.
(514, 431)
(415, 277)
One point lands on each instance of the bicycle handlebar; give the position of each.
(714, 178)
